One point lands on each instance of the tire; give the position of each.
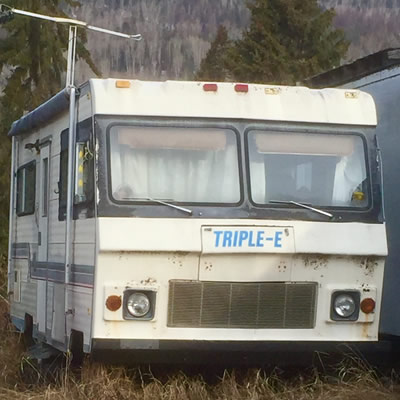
(28, 331)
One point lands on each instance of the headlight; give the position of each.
(138, 304)
(345, 306)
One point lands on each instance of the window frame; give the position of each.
(87, 205)
(153, 124)
(31, 210)
(315, 131)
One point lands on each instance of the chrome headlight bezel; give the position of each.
(151, 295)
(355, 296)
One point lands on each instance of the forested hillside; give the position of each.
(370, 25)
(177, 34)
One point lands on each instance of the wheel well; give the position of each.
(76, 347)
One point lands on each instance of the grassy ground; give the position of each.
(20, 379)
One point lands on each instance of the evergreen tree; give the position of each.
(34, 53)
(4, 192)
(287, 40)
(213, 66)
(32, 61)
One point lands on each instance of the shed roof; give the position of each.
(355, 70)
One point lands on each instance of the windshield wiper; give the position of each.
(317, 210)
(185, 210)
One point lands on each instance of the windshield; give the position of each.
(192, 165)
(318, 169)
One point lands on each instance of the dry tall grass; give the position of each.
(352, 380)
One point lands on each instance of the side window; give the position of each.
(26, 187)
(84, 173)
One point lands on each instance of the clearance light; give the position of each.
(367, 306)
(272, 90)
(210, 87)
(241, 88)
(122, 84)
(351, 95)
(113, 302)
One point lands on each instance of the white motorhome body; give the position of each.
(203, 213)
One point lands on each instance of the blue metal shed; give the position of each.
(379, 75)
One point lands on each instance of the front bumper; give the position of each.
(225, 353)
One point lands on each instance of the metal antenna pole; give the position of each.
(70, 79)
(70, 87)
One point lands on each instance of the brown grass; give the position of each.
(20, 379)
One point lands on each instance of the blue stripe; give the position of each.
(80, 274)
(54, 271)
(21, 250)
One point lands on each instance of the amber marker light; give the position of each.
(367, 306)
(113, 302)
(122, 84)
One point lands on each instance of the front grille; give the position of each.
(263, 305)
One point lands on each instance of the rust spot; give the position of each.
(355, 259)
(369, 264)
(208, 266)
(365, 326)
(315, 261)
(286, 231)
(364, 331)
(177, 258)
(148, 281)
(282, 266)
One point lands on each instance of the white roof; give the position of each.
(261, 102)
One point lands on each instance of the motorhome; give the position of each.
(204, 216)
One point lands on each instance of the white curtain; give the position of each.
(186, 175)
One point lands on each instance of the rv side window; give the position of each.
(26, 186)
(84, 173)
